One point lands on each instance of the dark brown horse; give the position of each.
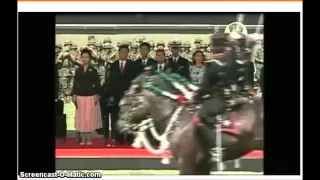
(187, 148)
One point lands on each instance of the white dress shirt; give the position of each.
(161, 66)
(123, 63)
(175, 59)
(144, 61)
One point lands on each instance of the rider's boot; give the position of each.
(206, 133)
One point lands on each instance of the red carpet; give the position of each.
(99, 149)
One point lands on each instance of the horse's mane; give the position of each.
(150, 77)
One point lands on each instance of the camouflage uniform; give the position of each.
(92, 44)
(108, 53)
(108, 40)
(66, 75)
(197, 43)
(134, 54)
(161, 43)
(258, 63)
(152, 53)
(58, 50)
(99, 62)
(204, 47)
(99, 46)
(141, 40)
(186, 51)
(75, 53)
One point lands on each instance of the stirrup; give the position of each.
(215, 154)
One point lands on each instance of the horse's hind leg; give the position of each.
(203, 168)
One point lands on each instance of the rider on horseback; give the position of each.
(228, 77)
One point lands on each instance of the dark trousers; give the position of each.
(210, 109)
(112, 113)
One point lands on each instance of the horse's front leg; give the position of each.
(186, 167)
(203, 167)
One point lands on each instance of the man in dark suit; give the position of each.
(161, 60)
(121, 73)
(177, 63)
(144, 61)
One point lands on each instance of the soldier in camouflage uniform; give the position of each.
(141, 40)
(258, 61)
(187, 51)
(66, 72)
(108, 40)
(167, 49)
(204, 49)
(92, 44)
(58, 50)
(108, 54)
(197, 43)
(100, 62)
(134, 53)
(152, 53)
(161, 45)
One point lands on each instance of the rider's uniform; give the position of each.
(224, 79)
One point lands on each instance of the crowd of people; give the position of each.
(95, 76)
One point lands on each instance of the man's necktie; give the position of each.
(144, 63)
(121, 67)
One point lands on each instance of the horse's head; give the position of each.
(140, 102)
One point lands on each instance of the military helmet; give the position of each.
(118, 43)
(134, 46)
(152, 44)
(107, 40)
(67, 42)
(198, 40)
(74, 47)
(124, 43)
(186, 45)
(83, 47)
(142, 39)
(203, 45)
(98, 44)
(160, 43)
(59, 46)
(107, 46)
(176, 44)
(91, 42)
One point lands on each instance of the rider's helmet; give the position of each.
(237, 34)
(218, 42)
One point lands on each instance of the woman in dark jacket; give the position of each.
(86, 88)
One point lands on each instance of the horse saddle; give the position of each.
(228, 122)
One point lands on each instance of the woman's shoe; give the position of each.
(89, 143)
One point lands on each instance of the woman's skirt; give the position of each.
(88, 114)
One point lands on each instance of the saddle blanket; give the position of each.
(227, 126)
